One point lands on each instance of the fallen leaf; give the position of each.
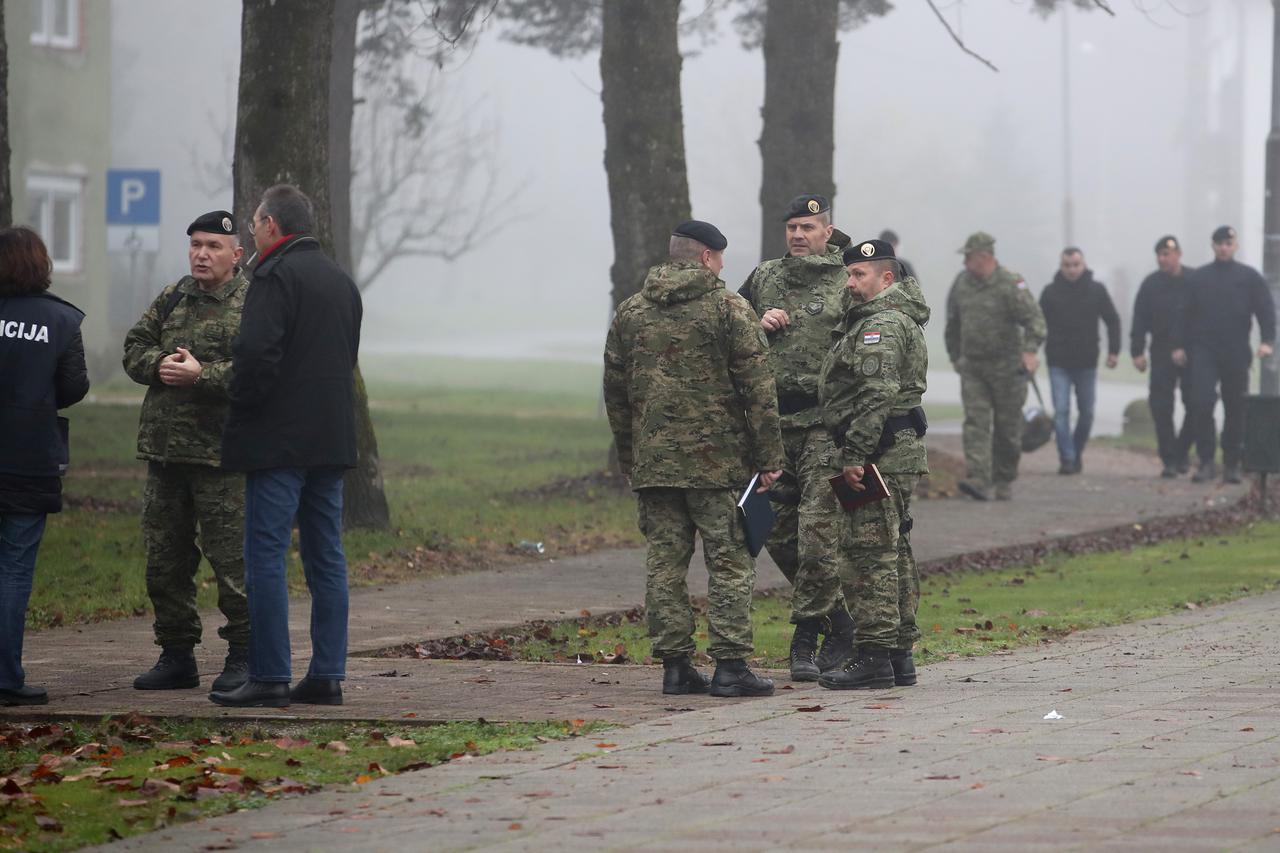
(364, 778)
(1191, 605)
(292, 743)
(786, 750)
(1247, 729)
(518, 825)
(1050, 758)
(809, 709)
(941, 778)
(47, 823)
(987, 732)
(128, 804)
(1035, 611)
(1190, 773)
(337, 746)
(262, 836)
(401, 741)
(90, 773)
(605, 745)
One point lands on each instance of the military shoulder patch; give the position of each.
(870, 365)
(871, 337)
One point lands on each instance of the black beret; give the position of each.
(806, 205)
(1223, 233)
(868, 250)
(704, 232)
(1168, 241)
(213, 222)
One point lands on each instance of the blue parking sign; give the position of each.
(133, 196)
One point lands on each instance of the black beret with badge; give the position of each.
(704, 232)
(869, 250)
(809, 204)
(213, 222)
(1168, 241)
(1223, 233)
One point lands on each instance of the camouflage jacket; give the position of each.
(810, 289)
(687, 386)
(992, 321)
(184, 424)
(876, 369)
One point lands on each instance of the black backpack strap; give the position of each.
(172, 302)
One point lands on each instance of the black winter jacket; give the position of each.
(292, 384)
(1072, 310)
(42, 369)
(1156, 310)
(1222, 298)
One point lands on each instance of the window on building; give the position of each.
(56, 23)
(54, 210)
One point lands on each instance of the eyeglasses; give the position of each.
(254, 222)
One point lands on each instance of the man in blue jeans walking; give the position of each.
(1073, 303)
(291, 429)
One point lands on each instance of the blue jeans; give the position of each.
(272, 499)
(20, 536)
(1061, 379)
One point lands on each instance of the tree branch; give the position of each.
(960, 42)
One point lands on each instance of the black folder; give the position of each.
(756, 513)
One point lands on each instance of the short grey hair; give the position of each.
(290, 208)
(683, 248)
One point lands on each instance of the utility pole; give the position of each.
(1270, 379)
(1068, 208)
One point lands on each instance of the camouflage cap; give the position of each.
(808, 204)
(979, 241)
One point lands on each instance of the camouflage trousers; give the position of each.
(881, 580)
(669, 518)
(179, 503)
(805, 542)
(993, 402)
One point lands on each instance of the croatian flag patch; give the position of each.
(871, 337)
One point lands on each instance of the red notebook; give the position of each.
(851, 499)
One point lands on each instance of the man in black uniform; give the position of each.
(1155, 311)
(891, 237)
(1212, 337)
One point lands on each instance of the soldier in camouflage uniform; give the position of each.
(181, 350)
(694, 412)
(798, 298)
(871, 386)
(994, 328)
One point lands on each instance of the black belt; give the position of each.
(914, 419)
(794, 402)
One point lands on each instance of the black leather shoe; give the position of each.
(317, 691)
(175, 670)
(1206, 472)
(24, 696)
(1231, 474)
(904, 667)
(870, 670)
(1183, 466)
(254, 694)
(733, 678)
(235, 670)
(804, 651)
(973, 490)
(1168, 472)
(679, 676)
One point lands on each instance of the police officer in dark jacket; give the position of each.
(291, 428)
(42, 370)
(1212, 337)
(1155, 310)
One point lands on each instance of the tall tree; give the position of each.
(6, 200)
(282, 136)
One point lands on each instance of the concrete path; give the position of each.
(88, 669)
(1169, 740)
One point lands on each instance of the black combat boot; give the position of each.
(804, 650)
(1231, 473)
(1206, 472)
(235, 670)
(837, 646)
(680, 676)
(870, 669)
(904, 667)
(974, 489)
(176, 670)
(733, 678)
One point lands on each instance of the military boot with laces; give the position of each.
(804, 651)
(235, 670)
(904, 667)
(734, 678)
(837, 646)
(870, 669)
(679, 676)
(175, 670)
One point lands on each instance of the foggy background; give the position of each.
(1169, 115)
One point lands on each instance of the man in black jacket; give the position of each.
(42, 370)
(1155, 310)
(291, 428)
(1212, 338)
(1073, 303)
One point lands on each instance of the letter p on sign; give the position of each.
(133, 197)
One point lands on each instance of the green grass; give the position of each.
(136, 775)
(470, 451)
(980, 613)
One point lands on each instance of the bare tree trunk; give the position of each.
(6, 198)
(282, 136)
(342, 75)
(797, 143)
(644, 135)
